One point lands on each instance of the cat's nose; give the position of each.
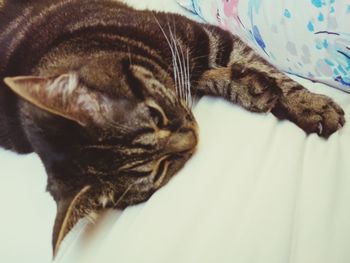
(184, 140)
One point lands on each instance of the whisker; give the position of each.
(91, 217)
(124, 194)
(181, 64)
(129, 55)
(175, 68)
(187, 73)
(185, 67)
(190, 101)
(172, 37)
(175, 61)
(184, 74)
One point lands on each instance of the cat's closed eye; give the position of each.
(161, 169)
(158, 116)
(156, 169)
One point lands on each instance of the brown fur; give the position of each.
(102, 93)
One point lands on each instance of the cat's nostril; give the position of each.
(189, 118)
(176, 156)
(182, 141)
(184, 130)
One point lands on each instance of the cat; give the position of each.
(103, 94)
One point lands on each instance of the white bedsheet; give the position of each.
(258, 190)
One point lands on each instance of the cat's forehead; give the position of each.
(125, 76)
(119, 76)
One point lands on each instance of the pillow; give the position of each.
(309, 38)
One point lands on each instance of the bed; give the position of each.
(257, 190)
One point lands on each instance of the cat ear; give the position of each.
(69, 211)
(62, 95)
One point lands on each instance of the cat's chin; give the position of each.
(133, 199)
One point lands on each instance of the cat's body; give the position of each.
(105, 98)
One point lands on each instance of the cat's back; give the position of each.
(32, 25)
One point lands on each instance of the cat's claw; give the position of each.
(320, 128)
(314, 113)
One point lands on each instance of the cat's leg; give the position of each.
(252, 82)
(247, 88)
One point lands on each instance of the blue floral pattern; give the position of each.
(309, 38)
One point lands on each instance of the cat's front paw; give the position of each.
(314, 113)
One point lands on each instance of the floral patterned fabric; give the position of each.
(309, 38)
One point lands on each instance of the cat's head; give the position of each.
(108, 144)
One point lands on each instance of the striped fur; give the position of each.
(103, 92)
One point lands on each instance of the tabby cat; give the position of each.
(103, 93)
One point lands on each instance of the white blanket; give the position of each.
(258, 190)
